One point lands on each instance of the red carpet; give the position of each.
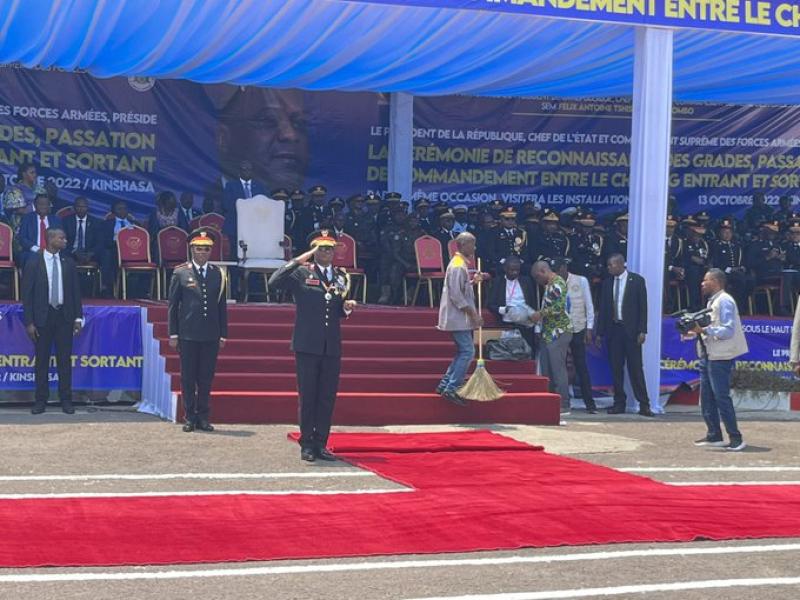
(393, 360)
(472, 491)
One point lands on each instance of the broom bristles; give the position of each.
(480, 386)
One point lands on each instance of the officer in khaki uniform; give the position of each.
(319, 291)
(198, 326)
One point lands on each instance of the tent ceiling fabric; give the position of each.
(329, 44)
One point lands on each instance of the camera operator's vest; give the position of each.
(730, 348)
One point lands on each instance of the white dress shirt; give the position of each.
(514, 295)
(247, 186)
(80, 225)
(623, 281)
(48, 262)
(38, 226)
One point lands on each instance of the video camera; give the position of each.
(687, 321)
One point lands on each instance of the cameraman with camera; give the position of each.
(718, 343)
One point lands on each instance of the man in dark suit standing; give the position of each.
(187, 212)
(319, 291)
(53, 313)
(512, 298)
(623, 322)
(34, 226)
(244, 187)
(198, 327)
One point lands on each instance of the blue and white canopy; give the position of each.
(380, 46)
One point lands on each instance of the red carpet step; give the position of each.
(393, 359)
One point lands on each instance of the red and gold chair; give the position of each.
(173, 250)
(213, 220)
(429, 267)
(345, 255)
(133, 254)
(6, 255)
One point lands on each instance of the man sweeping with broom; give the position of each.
(458, 316)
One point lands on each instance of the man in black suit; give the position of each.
(244, 187)
(34, 226)
(53, 313)
(623, 322)
(187, 212)
(83, 233)
(512, 298)
(107, 245)
(319, 291)
(198, 327)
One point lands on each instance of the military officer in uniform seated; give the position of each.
(198, 327)
(617, 240)
(765, 258)
(791, 267)
(552, 242)
(586, 247)
(673, 262)
(509, 239)
(423, 210)
(727, 254)
(696, 260)
(319, 291)
(445, 233)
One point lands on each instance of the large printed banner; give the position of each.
(767, 340)
(107, 354)
(132, 138)
(777, 17)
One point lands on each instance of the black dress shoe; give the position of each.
(38, 409)
(454, 398)
(68, 409)
(188, 427)
(205, 426)
(323, 454)
(646, 412)
(307, 454)
(591, 411)
(615, 411)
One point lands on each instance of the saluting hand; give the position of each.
(306, 256)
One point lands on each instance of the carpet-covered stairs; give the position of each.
(393, 358)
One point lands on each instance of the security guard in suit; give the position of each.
(319, 291)
(198, 327)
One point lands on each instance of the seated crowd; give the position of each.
(759, 252)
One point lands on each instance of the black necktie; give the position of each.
(80, 234)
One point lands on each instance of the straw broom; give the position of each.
(480, 386)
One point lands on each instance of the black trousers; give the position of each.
(741, 286)
(57, 331)
(694, 275)
(578, 348)
(198, 363)
(317, 384)
(623, 349)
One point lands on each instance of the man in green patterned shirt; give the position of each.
(556, 330)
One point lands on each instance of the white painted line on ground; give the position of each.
(711, 470)
(78, 495)
(690, 483)
(165, 476)
(629, 589)
(392, 565)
